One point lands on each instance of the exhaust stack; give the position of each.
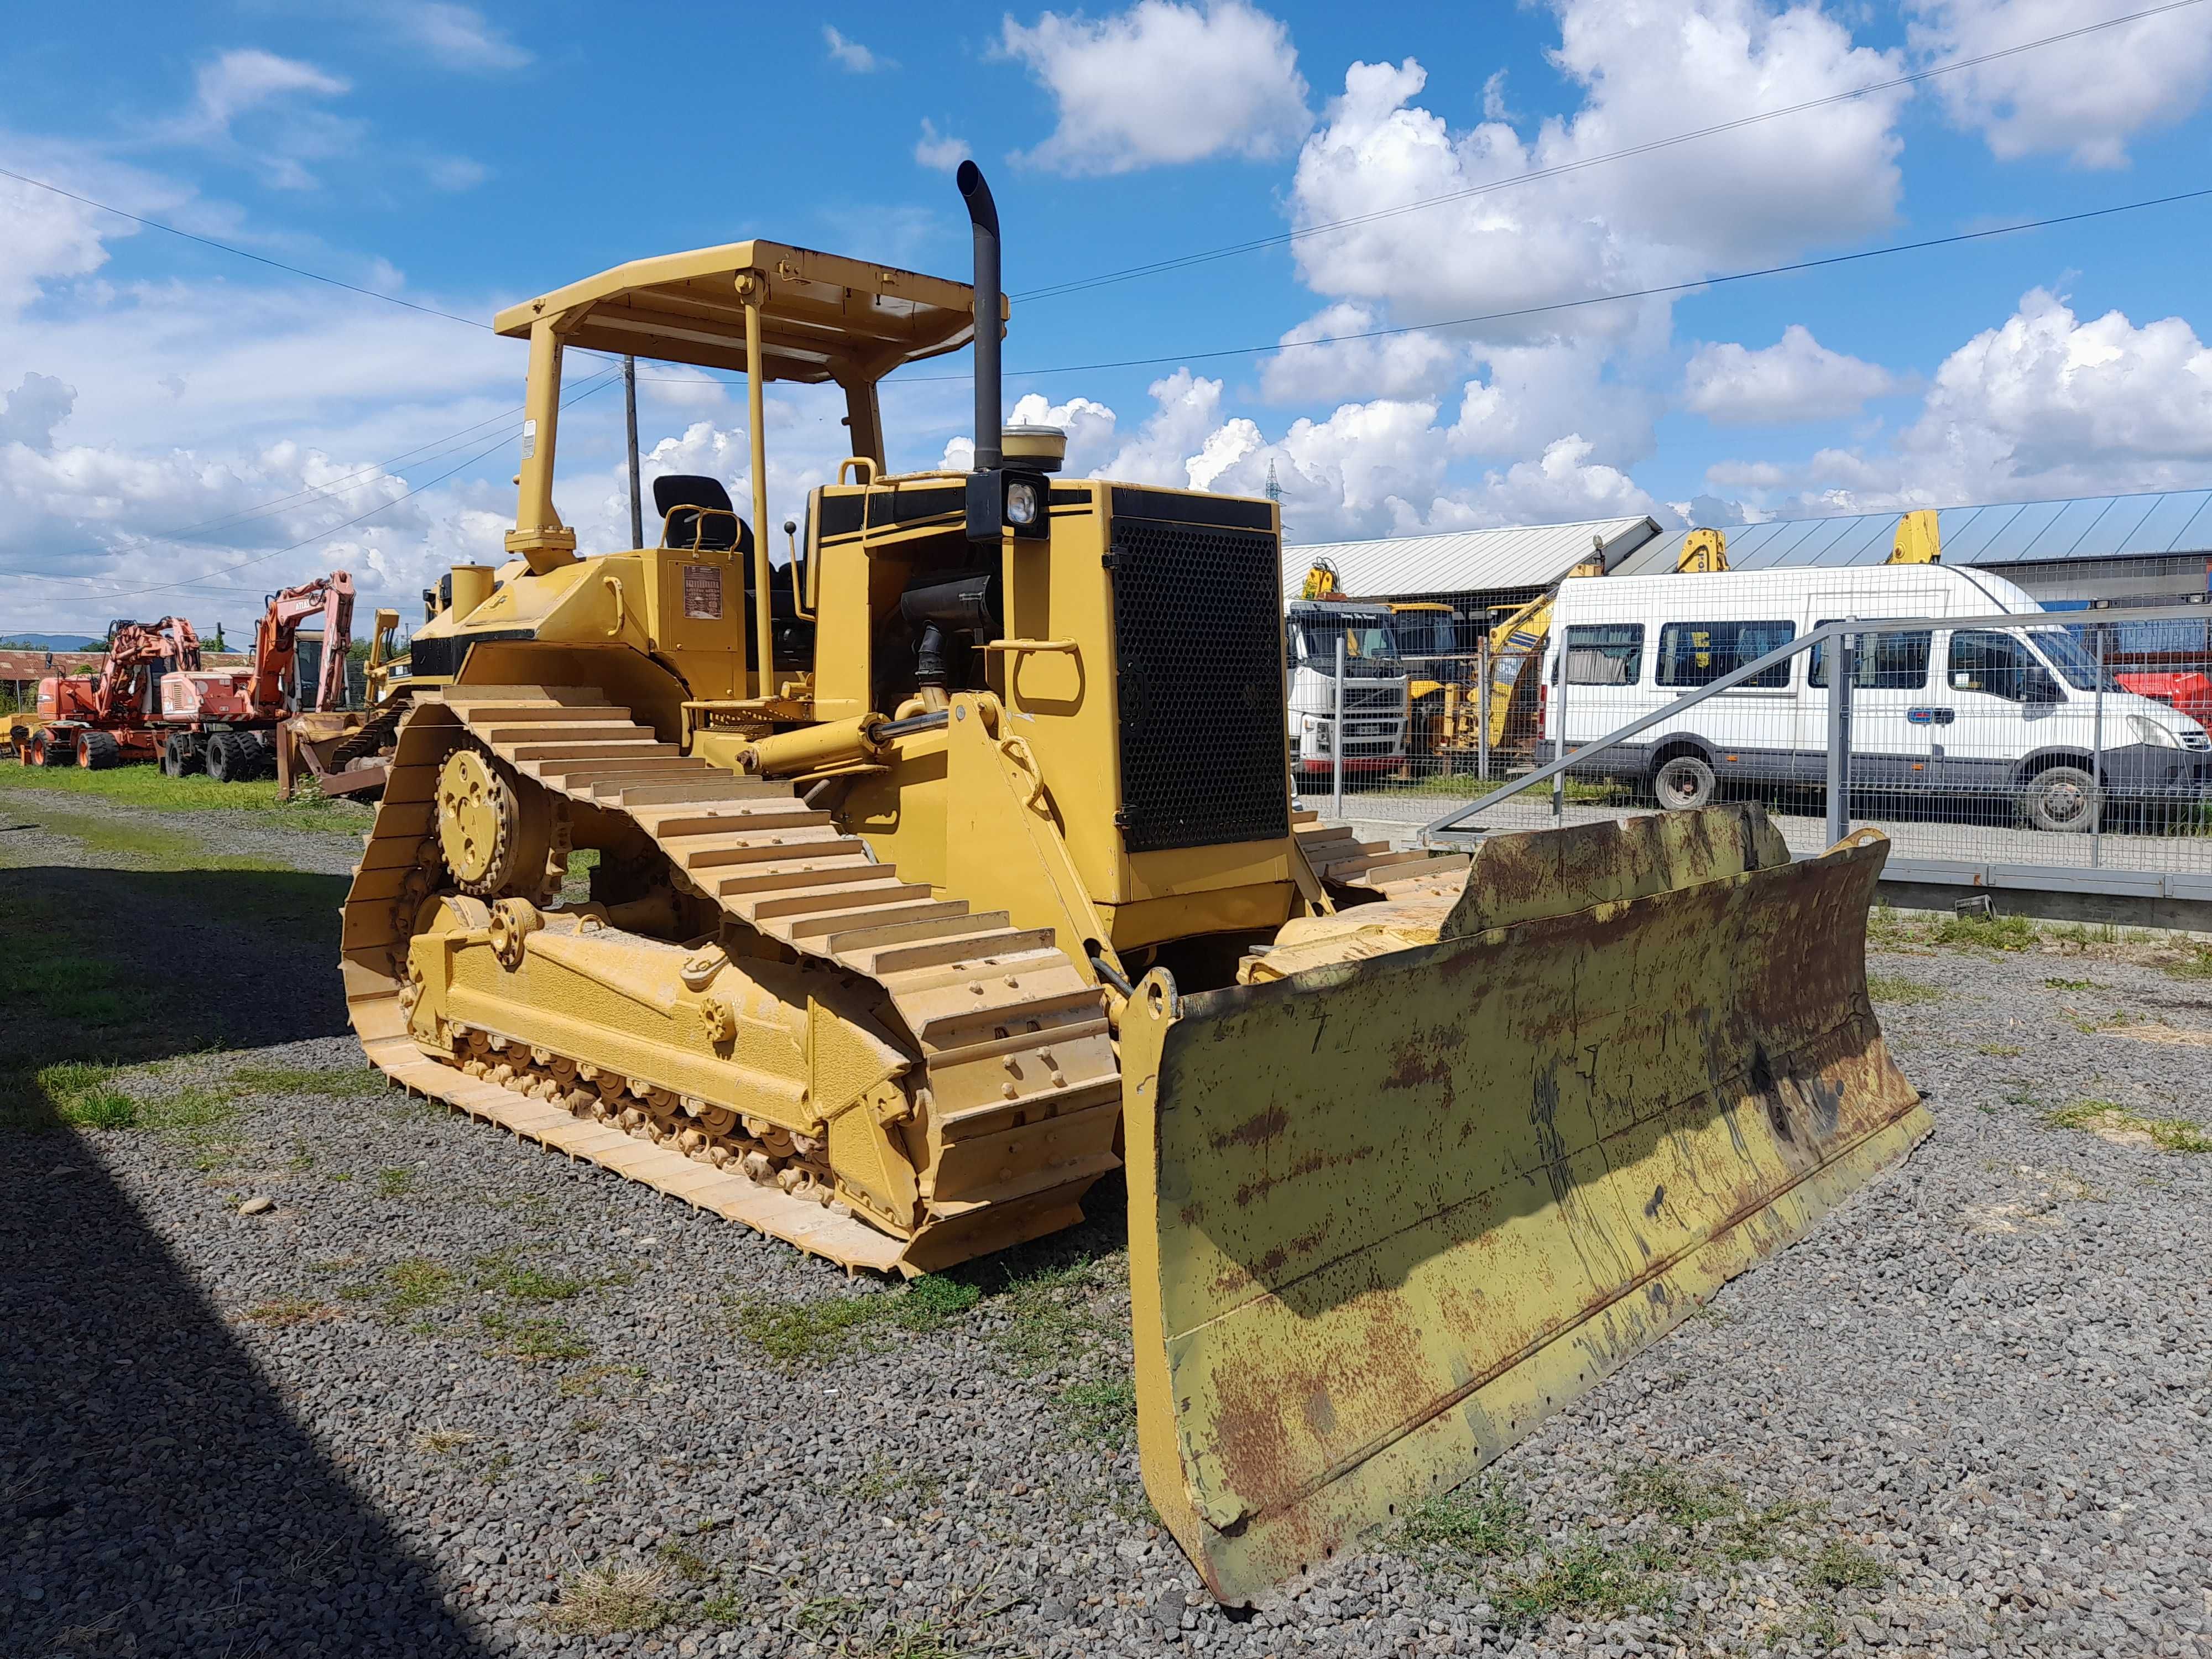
(983, 214)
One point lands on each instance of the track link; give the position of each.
(1018, 1083)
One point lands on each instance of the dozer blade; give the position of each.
(1389, 1212)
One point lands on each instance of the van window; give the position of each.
(1880, 662)
(1699, 652)
(2001, 666)
(1605, 653)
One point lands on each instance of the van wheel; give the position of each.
(2064, 799)
(1684, 783)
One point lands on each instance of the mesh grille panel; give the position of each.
(1198, 633)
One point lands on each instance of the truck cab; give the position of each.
(1375, 686)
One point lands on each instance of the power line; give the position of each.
(1595, 299)
(1181, 261)
(597, 382)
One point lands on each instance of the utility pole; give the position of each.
(629, 409)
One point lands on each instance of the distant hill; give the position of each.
(51, 642)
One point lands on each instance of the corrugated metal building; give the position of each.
(2064, 552)
(1471, 570)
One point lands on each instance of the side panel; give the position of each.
(1386, 1215)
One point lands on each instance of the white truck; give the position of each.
(2012, 714)
(1375, 688)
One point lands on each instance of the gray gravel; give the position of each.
(1977, 1398)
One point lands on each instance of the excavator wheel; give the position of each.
(98, 750)
(180, 757)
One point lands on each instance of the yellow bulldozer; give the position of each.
(952, 867)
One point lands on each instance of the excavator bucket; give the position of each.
(1391, 1209)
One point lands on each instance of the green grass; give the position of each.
(1893, 988)
(1587, 1578)
(535, 1341)
(147, 787)
(394, 1184)
(2172, 1134)
(412, 1285)
(1105, 1412)
(1987, 933)
(599, 1380)
(800, 1333)
(1049, 1312)
(284, 1310)
(1485, 1520)
(2070, 984)
(1840, 1566)
(81, 1094)
(1674, 1497)
(345, 1083)
(1998, 1050)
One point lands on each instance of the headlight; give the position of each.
(1022, 506)
(2151, 731)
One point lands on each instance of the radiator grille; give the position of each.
(1198, 637)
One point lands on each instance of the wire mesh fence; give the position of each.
(1975, 725)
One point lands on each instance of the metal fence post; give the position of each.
(1842, 670)
(1482, 706)
(1559, 741)
(2097, 760)
(1336, 736)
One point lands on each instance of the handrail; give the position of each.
(1451, 821)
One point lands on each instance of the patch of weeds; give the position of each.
(356, 1293)
(1840, 1564)
(1490, 1519)
(349, 1083)
(593, 1384)
(1817, 1628)
(926, 1639)
(1998, 1050)
(86, 1096)
(2116, 1122)
(535, 1341)
(596, 1478)
(394, 1184)
(284, 1310)
(503, 1273)
(497, 1466)
(2196, 965)
(612, 1601)
(444, 1443)
(1713, 1315)
(798, 1333)
(1894, 987)
(2070, 984)
(342, 1175)
(823, 1615)
(1885, 930)
(1758, 1535)
(1587, 1579)
(1049, 1316)
(1987, 933)
(884, 1479)
(1674, 1495)
(415, 1285)
(722, 1610)
(686, 1564)
(580, 1427)
(1105, 1412)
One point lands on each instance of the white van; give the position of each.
(1952, 710)
(1375, 686)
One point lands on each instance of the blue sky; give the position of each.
(177, 417)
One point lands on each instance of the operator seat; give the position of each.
(691, 505)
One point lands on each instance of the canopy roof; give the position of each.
(826, 318)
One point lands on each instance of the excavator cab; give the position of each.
(962, 872)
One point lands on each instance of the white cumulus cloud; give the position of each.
(1162, 83)
(851, 55)
(2083, 98)
(937, 149)
(1796, 379)
(457, 38)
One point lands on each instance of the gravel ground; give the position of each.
(445, 1394)
(42, 827)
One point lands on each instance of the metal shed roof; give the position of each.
(1467, 560)
(2011, 532)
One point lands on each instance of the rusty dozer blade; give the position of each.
(1389, 1212)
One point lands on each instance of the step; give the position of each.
(698, 853)
(565, 732)
(945, 1027)
(960, 948)
(543, 701)
(634, 746)
(703, 792)
(755, 808)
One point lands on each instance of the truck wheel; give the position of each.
(1684, 783)
(223, 760)
(98, 750)
(2064, 799)
(178, 755)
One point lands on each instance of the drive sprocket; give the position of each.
(501, 835)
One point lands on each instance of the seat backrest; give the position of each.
(695, 511)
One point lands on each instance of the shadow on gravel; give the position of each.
(115, 967)
(155, 1495)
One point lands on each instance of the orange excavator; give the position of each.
(227, 719)
(116, 717)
